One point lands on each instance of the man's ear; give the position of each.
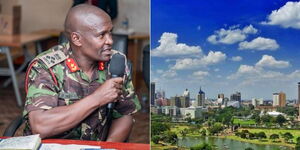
(76, 38)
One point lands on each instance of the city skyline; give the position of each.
(254, 51)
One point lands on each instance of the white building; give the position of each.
(257, 102)
(193, 112)
(275, 99)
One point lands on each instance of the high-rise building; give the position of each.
(235, 97)
(184, 101)
(279, 99)
(298, 102)
(175, 101)
(152, 91)
(282, 99)
(186, 93)
(201, 98)
(275, 99)
(220, 99)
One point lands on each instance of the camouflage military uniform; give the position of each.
(54, 79)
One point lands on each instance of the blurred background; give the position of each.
(32, 26)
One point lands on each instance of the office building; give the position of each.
(279, 99)
(201, 98)
(152, 95)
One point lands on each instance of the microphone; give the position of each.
(116, 68)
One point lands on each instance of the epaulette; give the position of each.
(53, 58)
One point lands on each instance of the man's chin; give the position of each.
(105, 59)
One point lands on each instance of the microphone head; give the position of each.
(117, 65)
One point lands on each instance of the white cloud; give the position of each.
(249, 74)
(259, 43)
(169, 47)
(232, 35)
(213, 58)
(288, 16)
(190, 63)
(217, 70)
(159, 71)
(200, 74)
(169, 74)
(236, 58)
(271, 62)
(246, 69)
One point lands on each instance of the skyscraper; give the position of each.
(279, 99)
(236, 97)
(175, 101)
(152, 90)
(298, 102)
(275, 99)
(282, 99)
(201, 98)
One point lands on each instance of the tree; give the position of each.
(170, 137)
(266, 118)
(249, 148)
(155, 139)
(188, 118)
(215, 129)
(297, 143)
(256, 117)
(261, 135)
(288, 137)
(280, 119)
(157, 128)
(203, 132)
(251, 135)
(274, 136)
(298, 140)
(203, 146)
(243, 135)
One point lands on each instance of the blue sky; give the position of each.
(226, 46)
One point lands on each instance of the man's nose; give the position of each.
(109, 40)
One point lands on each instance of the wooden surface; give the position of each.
(108, 145)
(22, 39)
(119, 146)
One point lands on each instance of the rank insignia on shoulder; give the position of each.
(72, 65)
(53, 58)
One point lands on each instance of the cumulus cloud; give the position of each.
(236, 58)
(288, 16)
(271, 62)
(169, 74)
(190, 63)
(169, 47)
(200, 74)
(251, 73)
(232, 35)
(259, 43)
(260, 73)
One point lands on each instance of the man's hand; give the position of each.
(109, 91)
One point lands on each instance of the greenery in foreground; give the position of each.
(220, 122)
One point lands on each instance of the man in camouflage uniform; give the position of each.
(68, 87)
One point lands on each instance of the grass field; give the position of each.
(244, 122)
(295, 133)
(280, 141)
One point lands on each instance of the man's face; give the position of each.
(97, 38)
